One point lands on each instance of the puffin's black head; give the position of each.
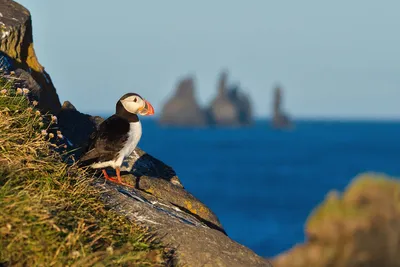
(135, 104)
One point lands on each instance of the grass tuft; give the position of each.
(50, 215)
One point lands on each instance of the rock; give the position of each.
(242, 102)
(230, 107)
(76, 126)
(359, 228)
(195, 243)
(143, 169)
(20, 77)
(279, 118)
(222, 110)
(182, 109)
(6, 65)
(18, 54)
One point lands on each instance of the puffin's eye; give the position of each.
(135, 99)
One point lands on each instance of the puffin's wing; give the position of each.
(89, 157)
(112, 134)
(108, 140)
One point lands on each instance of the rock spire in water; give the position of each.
(279, 118)
(230, 107)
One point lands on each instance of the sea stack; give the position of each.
(242, 103)
(280, 120)
(230, 107)
(182, 109)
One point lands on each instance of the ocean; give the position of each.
(263, 183)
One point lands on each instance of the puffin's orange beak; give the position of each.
(147, 110)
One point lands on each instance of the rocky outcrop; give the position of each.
(182, 109)
(195, 243)
(76, 126)
(159, 201)
(361, 227)
(18, 55)
(279, 118)
(230, 107)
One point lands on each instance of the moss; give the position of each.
(50, 214)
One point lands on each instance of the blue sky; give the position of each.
(333, 59)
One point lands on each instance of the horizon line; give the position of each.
(298, 118)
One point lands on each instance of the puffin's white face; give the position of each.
(137, 105)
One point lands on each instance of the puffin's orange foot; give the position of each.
(112, 179)
(117, 180)
(120, 179)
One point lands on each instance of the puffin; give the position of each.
(117, 136)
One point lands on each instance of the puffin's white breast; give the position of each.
(134, 135)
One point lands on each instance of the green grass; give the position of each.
(49, 213)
